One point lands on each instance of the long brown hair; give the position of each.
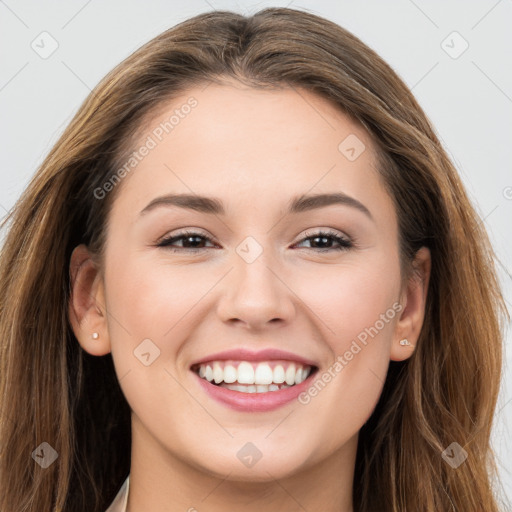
(52, 391)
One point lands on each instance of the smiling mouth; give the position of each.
(254, 377)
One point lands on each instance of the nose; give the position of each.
(254, 295)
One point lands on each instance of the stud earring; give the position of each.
(404, 342)
(95, 336)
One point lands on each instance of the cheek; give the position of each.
(350, 299)
(152, 299)
(166, 304)
(153, 308)
(356, 306)
(354, 303)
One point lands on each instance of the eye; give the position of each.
(191, 241)
(324, 238)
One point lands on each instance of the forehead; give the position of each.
(251, 148)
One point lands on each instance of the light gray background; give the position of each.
(468, 98)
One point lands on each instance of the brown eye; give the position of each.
(191, 241)
(323, 240)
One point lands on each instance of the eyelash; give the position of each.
(344, 243)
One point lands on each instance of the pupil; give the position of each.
(322, 238)
(197, 238)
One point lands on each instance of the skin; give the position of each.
(254, 150)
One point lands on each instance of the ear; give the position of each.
(86, 309)
(413, 300)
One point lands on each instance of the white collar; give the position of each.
(121, 499)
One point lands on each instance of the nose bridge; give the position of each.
(253, 294)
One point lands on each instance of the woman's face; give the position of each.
(252, 273)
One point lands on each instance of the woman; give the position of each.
(178, 330)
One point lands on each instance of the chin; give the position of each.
(251, 464)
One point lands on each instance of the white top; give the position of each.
(121, 499)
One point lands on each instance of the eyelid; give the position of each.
(329, 231)
(186, 232)
(345, 242)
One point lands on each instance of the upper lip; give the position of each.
(243, 354)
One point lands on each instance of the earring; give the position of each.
(95, 336)
(404, 342)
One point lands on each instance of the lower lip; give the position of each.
(254, 402)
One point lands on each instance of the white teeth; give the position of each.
(259, 377)
(290, 375)
(301, 375)
(218, 373)
(263, 374)
(254, 389)
(230, 374)
(245, 373)
(278, 375)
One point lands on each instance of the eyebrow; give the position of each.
(297, 204)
